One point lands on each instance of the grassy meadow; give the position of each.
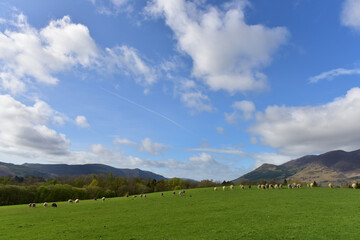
(318, 213)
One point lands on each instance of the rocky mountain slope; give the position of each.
(336, 166)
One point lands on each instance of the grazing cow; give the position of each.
(259, 186)
(45, 204)
(353, 185)
(70, 201)
(224, 188)
(263, 186)
(174, 193)
(242, 187)
(330, 185)
(276, 186)
(249, 187)
(53, 205)
(140, 195)
(144, 195)
(181, 192)
(77, 200)
(215, 188)
(289, 186)
(103, 198)
(95, 199)
(162, 194)
(298, 185)
(32, 205)
(311, 184)
(232, 187)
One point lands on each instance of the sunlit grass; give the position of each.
(319, 213)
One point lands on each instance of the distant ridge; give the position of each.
(336, 166)
(53, 170)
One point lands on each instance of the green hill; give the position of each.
(53, 170)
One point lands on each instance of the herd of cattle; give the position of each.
(260, 186)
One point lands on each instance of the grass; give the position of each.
(318, 213)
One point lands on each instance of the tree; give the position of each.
(262, 181)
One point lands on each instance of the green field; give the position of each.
(318, 213)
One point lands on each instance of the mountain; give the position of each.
(53, 170)
(339, 167)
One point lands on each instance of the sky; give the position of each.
(192, 89)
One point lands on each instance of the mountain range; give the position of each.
(53, 170)
(338, 167)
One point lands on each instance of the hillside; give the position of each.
(335, 166)
(53, 170)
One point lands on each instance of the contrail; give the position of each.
(146, 109)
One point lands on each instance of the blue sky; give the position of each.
(196, 89)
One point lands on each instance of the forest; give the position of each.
(20, 190)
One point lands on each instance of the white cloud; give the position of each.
(23, 129)
(151, 147)
(220, 130)
(227, 53)
(127, 60)
(193, 97)
(247, 109)
(199, 167)
(329, 75)
(81, 121)
(253, 140)
(350, 15)
(124, 141)
(202, 158)
(28, 54)
(219, 150)
(110, 7)
(312, 129)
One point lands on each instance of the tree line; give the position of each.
(21, 190)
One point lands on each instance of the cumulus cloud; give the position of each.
(110, 7)
(205, 166)
(124, 141)
(312, 129)
(199, 167)
(246, 108)
(202, 158)
(24, 131)
(81, 121)
(220, 130)
(192, 96)
(28, 54)
(153, 148)
(227, 53)
(329, 75)
(127, 60)
(350, 14)
(219, 150)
